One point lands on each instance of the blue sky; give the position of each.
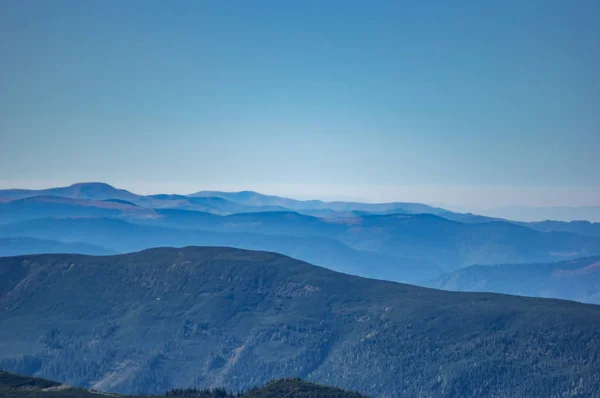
(471, 103)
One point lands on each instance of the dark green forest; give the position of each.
(147, 322)
(18, 386)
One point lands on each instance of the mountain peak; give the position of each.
(91, 191)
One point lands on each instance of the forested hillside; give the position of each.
(577, 279)
(218, 317)
(19, 386)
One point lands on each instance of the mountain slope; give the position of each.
(453, 245)
(214, 205)
(420, 237)
(89, 194)
(83, 190)
(408, 247)
(574, 279)
(220, 203)
(161, 318)
(214, 201)
(19, 386)
(55, 206)
(426, 241)
(21, 246)
(257, 199)
(538, 214)
(577, 227)
(121, 236)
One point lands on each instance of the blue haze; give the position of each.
(320, 93)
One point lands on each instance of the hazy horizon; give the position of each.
(424, 214)
(471, 105)
(497, 199)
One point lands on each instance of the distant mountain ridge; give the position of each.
(379, 242)
(162, 318)
(55, 206)
(410, 239)
(19, 246)
(258, 199)
(556, 213)
(219, 202)
(123, 237)
(578, 227)
(577, 279)
(229, 202)
(83, 190)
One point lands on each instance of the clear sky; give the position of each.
(472, 103)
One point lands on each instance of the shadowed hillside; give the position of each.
(385, 240)
(577, 279)
(578, 227)
(18, 386)
(218, 317)
(20, 246)
(257, 199)
(121, 236)
(83, 190)
(416, 246)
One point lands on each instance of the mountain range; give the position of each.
(18, 246)
(256, 199)
(114, 235)
(577, 279)
(557, 213)
(225, 202)
(578, 227)
(162, 318)
(398, 241)
(218, 202)
(417, 246)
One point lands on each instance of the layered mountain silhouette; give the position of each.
(249, 201)
(256, 199)
(539, 214)
(245, 202)
(84, 190)
(578, 227)
(60, 207)
(20, 246)
(426, 239)
(162, 318)
(577, 279)
(393, 241)
(122, 237)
